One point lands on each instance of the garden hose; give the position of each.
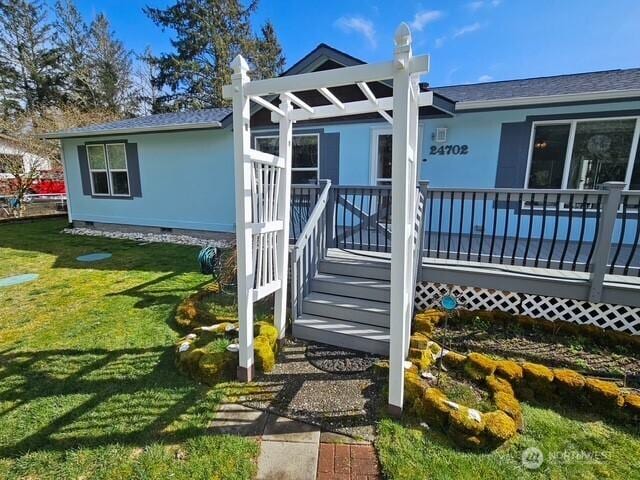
(207, 260)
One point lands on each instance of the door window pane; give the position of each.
(117, 157)
(384, 156)
(305, 151)
(303, 177)
(600, 152)
(120, 183)
(548, 157)
(100, 183)
(97, 160)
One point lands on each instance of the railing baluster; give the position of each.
(360, 242)
(516, 241)
(635, 241)
(461, 226)
(439, 223)
(555, 231)
(623, 227)
(369, 219)
(526, 248)
(387, 213)
(450, 225)
(583, 217)
(506, 229)
(494, 227)
(542, 229)
(431, 195)
(484, 221)
(595, 234)
(471, 224)
(344, 220)
(569, 228)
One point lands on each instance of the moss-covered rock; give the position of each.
(454, 360)
(479, 366)
(539, 379)
(265, 329)
(422, 358)
(413, 387)
(464, 440)
(509, 370)
(462, 420)
(604, 395)
(436, 409)
(264, 353)
(426, 322)
(632, 403)
(569, 383)
(419, 341)
(214, 367)
(498, 384)
(509, 405)
(499, 427)
(381, 368)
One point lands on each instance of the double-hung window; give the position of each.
(108, 169)
(305, 156)
(381, 156)
(582, 154)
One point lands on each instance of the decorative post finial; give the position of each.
(403, 35)
(239, 64)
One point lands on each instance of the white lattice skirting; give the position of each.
(615, 317)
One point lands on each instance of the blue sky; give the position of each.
(469, 41)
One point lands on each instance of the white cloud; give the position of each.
(485, 78)
(440, 41)
(424, 17)
(473, 6)
(466, 29)
(495, 3)
(359, 25)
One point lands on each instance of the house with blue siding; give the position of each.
(175, 170)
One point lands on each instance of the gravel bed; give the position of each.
(342, 402)
(334, 360)
(150, 237)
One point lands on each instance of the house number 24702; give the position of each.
(449, 150)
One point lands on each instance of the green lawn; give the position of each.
(575, 446)
(88, 387)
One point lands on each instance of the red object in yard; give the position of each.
(49, 186)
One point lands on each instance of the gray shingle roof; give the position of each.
(628, 79)
(207, 118)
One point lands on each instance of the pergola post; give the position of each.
(242, 168)
(284, 208)
(402, 211)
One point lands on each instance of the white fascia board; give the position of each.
(548, 99)
(124, 131)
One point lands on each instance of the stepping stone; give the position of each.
(283, 429)
(287, 461)
(236, 419)
(93, 257)
(18, 279)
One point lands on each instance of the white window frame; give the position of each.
(374, 179)
(108, 170)
(572, 133)
(298, 169)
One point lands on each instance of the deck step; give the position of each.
(357, 310)
(356, 267)
(355, 287)
(341, 333)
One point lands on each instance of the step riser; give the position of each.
(377, 294)
(355, 270)
(378, 347)
(344, 313)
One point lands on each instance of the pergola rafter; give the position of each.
(263, 185)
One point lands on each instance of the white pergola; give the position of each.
(263, 186)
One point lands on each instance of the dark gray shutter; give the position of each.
(330, 157)
(512, 157)
(85, 176)
(133, 165)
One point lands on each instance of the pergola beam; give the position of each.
(261, 101)
(352, 108)
(326, 93)
(331, 78)
(298, 102)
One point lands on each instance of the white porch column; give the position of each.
(402, 228)
(284, 207)
(242, 169)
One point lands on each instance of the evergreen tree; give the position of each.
(29, 61)
(208, 35)
(73, 41)
(111, 69)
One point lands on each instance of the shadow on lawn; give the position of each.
(44, 236)
(61, 399)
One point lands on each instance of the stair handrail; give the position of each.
(308, 250)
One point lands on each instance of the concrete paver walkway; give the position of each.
(292, 450)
